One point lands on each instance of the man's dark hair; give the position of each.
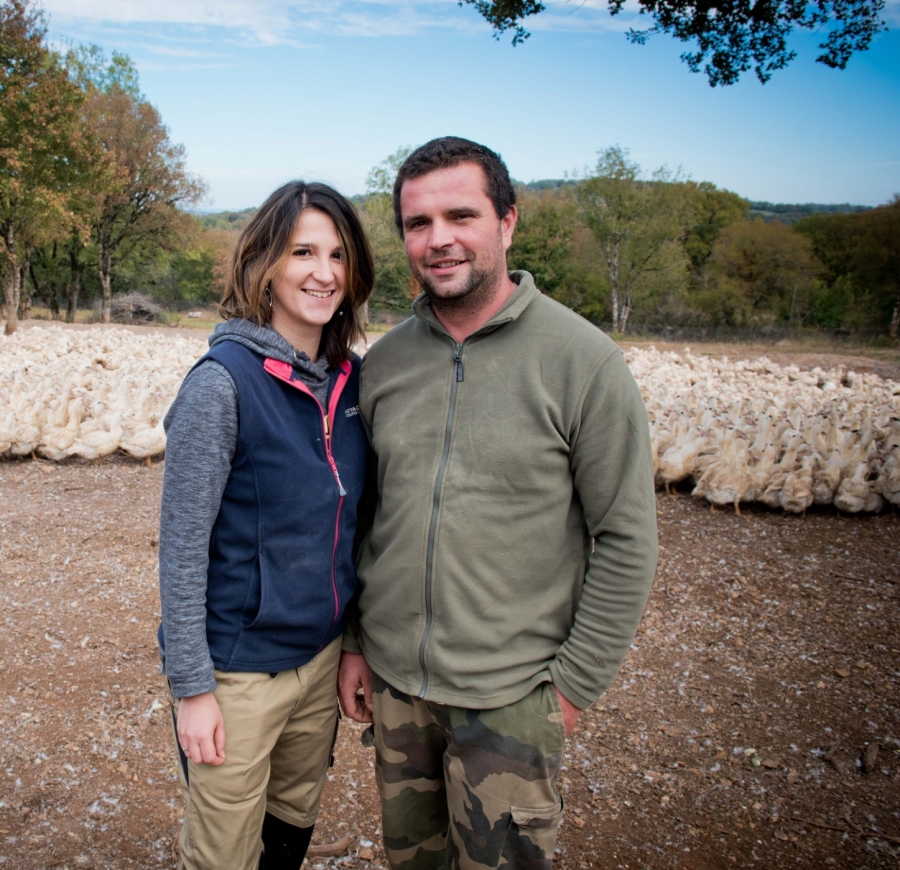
(449, 151)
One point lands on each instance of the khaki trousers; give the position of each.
(279, 733)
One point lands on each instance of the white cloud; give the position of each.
(175, 51)
(286, 21)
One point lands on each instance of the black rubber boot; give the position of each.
(284, 845)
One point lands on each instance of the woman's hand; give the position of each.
(355, 676)
(201, 729)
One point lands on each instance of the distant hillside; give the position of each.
(788, 213)
(227, 220)
(545, 183)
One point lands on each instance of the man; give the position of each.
(514, 537)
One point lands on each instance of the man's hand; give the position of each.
(355, 676)
(201, 729)
(570, 712)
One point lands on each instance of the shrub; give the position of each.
(134, 308)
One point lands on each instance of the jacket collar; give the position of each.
(524, 294)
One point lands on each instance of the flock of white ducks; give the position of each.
(744, 431)
(89, 393)
(755, 431)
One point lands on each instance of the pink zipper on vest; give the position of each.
(284, 372)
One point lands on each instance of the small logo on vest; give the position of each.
(352, 412)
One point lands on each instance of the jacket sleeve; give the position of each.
(612, 469)
(201, 431)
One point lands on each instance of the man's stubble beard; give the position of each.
(475, 295)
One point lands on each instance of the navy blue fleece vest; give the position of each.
(281, 566)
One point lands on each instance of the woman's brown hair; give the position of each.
(265, 245)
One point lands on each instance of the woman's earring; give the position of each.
(340, 312)
(268, 294)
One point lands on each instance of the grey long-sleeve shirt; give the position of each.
(201, 429)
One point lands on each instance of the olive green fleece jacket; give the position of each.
(514, 537)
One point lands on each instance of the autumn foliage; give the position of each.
(89, 181)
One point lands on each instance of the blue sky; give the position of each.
(262, 91)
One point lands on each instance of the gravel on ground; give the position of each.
(754, 722)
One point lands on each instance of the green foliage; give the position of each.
(832, 304)
(394, 285)
(227, 220)
(44, 149)
(546, 184)
(640, 225)
(393, 279)
(715, 209)
(506, 15)
(194, 273)
(91, 70)
(730, 36)
(733, 37)
(92, 198)
(758, 272)
(381, 177)
(860, 254)
(790, 213)
(542, 243)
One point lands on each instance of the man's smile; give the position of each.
(446, 264)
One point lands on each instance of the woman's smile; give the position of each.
(311, 286)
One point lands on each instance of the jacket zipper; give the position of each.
(331, 461)
(337, 520)
(436, 503)
(283, 371)
(458, 377)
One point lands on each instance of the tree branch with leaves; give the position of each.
(731, 36)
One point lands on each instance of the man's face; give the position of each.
(454, 240)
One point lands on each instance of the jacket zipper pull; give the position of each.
(341, 491)
(457, 358)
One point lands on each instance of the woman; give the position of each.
(265, 463)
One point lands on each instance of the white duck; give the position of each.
(855, 495)
(727, 478)
(888, 483)
(146, 443)
(61, 431)
(797, 491)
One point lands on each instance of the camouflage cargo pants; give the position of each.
(468, 789)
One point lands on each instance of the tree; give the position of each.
(47, 270)
(640, 225)
(542, 243)
(394, 285)
(195, 273)
(42, 143)
(149, 183)
(715, 210)
(861, 258)
(878, 260)
(759, 270)
(731, 36)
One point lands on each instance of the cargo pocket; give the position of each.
(532, 837)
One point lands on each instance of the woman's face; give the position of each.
(311, 287)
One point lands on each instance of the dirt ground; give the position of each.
(755, 722)
(768, 642)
